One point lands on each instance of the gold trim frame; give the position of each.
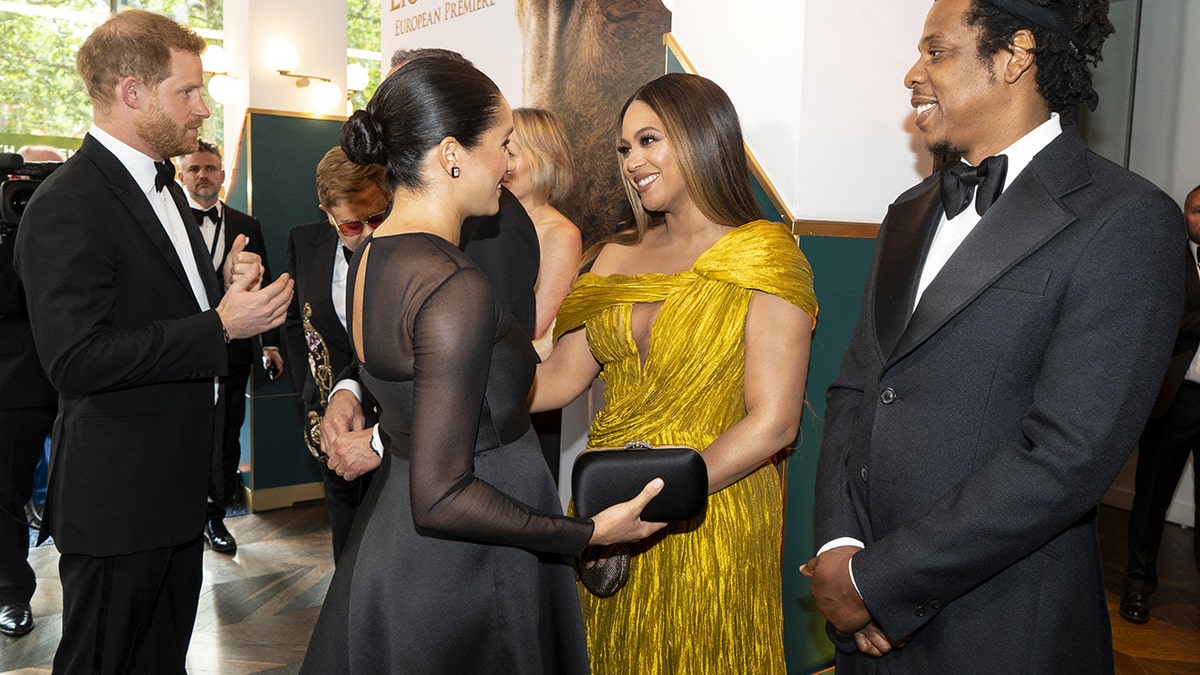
(816, 228)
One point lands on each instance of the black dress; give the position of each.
(458, 560)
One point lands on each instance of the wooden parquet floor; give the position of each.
(258, 607)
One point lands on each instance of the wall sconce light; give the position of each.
(222, 87)
(356, 78)
(326, 95)
(322, 92)
(282, 57)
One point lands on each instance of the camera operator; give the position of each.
(27, 407)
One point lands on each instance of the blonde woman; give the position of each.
(540, 174)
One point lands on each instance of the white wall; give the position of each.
(819, 87)
(410, 25)
(252, 28)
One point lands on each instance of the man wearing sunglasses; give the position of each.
(355, 200)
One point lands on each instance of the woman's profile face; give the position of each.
(482, 168)
(519, 179)
(648, 160)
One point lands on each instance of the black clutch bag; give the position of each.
(606, 476)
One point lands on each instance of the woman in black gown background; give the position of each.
(458, 560)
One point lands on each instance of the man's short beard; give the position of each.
(939, 149)
(164, 135)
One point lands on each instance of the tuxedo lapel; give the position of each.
(911, 226)
(1023, 219)
(127, 190)
(196, 239)
(122, 184)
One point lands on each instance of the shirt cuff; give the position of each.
(845, 541)
(348, 385)
(841, 541)
(377, 446)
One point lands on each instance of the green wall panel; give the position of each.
(840, 266)
(275, 181)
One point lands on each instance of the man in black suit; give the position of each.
(27, 407)
(131, 326)
(1171, 435)
(1017, 320)
(355, 200)
(202, 174)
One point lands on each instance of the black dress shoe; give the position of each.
(1134, 608)
(219, 538)
(16, 620)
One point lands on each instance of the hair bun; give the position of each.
(362, 139)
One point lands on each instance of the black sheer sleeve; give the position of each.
(432, 318)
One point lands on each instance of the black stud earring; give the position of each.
(454, 172)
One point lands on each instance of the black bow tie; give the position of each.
(164, 174)
(960, 179)
(212, 214)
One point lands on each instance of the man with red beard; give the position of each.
(131, 326)
(1017, 321)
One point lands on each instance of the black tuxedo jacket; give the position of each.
(123, 340)
(23, 384)
(967, 443)
(318, 347)
(242, 352)
(505, 247)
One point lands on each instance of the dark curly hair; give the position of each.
(414, 109)
(1064, 78)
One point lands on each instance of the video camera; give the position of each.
(18, 181)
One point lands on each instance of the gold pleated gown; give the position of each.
(705, 597)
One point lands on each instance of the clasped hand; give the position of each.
(343, 438)
(833, 591)
(248, 308)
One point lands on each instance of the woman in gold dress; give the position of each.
(699, 322)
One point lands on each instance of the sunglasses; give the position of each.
(353, 227)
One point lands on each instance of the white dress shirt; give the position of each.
(208, 228)
(952, 231)
(141, 167)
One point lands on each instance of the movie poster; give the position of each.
(580, 60)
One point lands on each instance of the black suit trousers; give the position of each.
(343, 497)
(225, 485)
(129, 613)
(22, 436)
(1163, 451)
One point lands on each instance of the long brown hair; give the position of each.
(703, 127)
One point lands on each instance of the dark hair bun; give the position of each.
(362, 139)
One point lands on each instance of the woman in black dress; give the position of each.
(458, 561)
